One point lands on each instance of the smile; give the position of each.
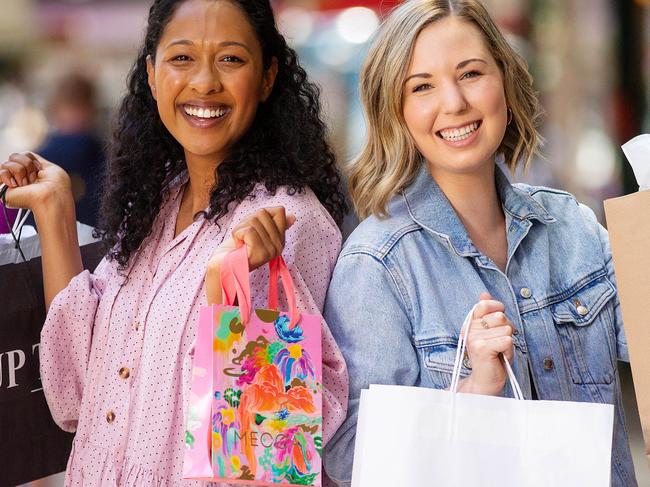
(205, 112)
(460, 133)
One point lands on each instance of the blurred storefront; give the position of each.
(590, 59)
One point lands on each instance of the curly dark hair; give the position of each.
(285, 146)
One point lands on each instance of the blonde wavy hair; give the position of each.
(390, 160)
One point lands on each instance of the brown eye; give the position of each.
(232, 59)
(422, 87)
(470, 74)
(181, 58)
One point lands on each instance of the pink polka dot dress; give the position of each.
(116, 353)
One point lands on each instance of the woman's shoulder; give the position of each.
(564, 210)
(377, 235)
(560, 204)
(303, 204)
(550, 198)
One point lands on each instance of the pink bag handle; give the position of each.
(278, 268)
(235, 283)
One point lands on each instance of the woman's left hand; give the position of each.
(262, 233)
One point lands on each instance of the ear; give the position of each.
(269, 79)
(151, 76)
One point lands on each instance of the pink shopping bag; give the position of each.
(255, 408)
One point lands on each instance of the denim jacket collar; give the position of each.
(429, 207)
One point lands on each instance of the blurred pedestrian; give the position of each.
(74, 143)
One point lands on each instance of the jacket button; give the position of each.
(582, 310)
(110, 416)
(124, 373)
(525, 293)
(548, 363)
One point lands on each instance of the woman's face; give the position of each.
(453, 98)
(208, 77)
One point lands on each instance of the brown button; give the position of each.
(110, 416)
(548, 363)
(124, 372)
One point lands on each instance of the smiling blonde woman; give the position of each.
(444, 95)
(390, 159)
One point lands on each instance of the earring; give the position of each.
(509, 116)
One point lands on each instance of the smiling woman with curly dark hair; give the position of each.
(285, 146)
(219, 142)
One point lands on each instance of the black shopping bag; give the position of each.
(31, 445)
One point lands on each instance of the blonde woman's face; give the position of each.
(453, 98)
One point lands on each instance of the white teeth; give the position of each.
(462, 133)
(205, 112)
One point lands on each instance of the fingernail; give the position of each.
(13, 183)
(25, 182)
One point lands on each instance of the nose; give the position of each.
(453, 98)
(206, 80)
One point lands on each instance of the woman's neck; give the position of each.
(477, 203)
(196, 195)
(202, 178)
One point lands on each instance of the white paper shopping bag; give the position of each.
(419, 437)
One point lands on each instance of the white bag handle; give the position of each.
(460, 352)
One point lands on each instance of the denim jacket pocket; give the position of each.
(437, 355)
(584, 322)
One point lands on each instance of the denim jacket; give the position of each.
(403, 285)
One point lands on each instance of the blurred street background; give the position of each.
(590, 60)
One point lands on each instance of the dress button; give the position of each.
(582, 310)
(124, 373)
(525, 293)
(110, 416)
(548, 363)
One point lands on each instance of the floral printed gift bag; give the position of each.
(255, 408)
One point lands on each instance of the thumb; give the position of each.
(485, 296)
(291, 219)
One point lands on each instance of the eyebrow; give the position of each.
(460, 65)
(185, 42)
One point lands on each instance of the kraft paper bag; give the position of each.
(628, 223)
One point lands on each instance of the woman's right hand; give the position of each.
(34, 182)
(263, 233)
(45, 189)
(490, 336)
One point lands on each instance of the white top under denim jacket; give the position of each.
(403, 285)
